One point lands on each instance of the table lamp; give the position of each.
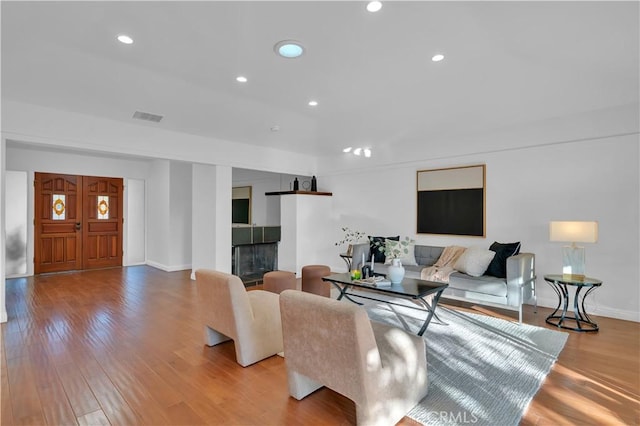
(573, 255)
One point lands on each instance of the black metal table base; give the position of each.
(580, 317)
(583, 325)
(430, 308)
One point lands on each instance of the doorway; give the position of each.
(78, 222)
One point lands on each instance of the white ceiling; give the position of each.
(506, 63)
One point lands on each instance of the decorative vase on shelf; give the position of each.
(395, 271)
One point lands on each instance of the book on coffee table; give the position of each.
(377, 281)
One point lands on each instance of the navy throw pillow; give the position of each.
(498, 266)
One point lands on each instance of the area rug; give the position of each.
(482, 370)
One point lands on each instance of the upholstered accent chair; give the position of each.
(250, 318)
(334, 344)
(312, 280)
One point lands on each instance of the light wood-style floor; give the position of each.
(123, 346)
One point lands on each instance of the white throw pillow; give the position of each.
(407, 259)
(474, 261)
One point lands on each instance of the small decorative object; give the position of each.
(355, 274)
(314, 184)
(366, 271)
(350, 237)
(395, 271)
(296, 184)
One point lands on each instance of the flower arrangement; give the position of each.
(349, 236)
(394, 249)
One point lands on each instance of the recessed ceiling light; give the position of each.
(123, 38)
(241, 79)
(367, 152)
(357, 151)
(374, 6)
(289, 49)
(313, 103)
(437, 58)
(347, 149)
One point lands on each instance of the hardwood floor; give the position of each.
(123, 346)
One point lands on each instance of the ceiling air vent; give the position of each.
(147, 116)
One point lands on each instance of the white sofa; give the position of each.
(512, 292)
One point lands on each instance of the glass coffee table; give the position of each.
(426, 293)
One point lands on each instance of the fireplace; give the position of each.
(254, 252)
(252, 261)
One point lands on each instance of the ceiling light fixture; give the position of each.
(374, 6)
(123, 38)
(313, 103)
(241, 79)
(289, 49)
(358, 151)
(437, 58)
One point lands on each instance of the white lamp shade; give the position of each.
(575, 232)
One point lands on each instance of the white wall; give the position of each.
(305, 219)
(80, 131)
(169, 215)
(158, 197)
(135, 223)
(180, 215)
(211, 218)
(601, 124)
(44, 159)
(16, 220)
(526, 189)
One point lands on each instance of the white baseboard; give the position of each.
(599, 311)
(172, 268)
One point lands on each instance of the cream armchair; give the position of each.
(250, 318)
(331, 343)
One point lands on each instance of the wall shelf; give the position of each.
(299, 192)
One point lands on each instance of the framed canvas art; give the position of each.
(451, 201)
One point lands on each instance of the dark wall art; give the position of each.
(451, 201)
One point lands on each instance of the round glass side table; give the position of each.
(559, 284)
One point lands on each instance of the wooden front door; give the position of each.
(78, 222)
(102, 225)
(58, 216)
